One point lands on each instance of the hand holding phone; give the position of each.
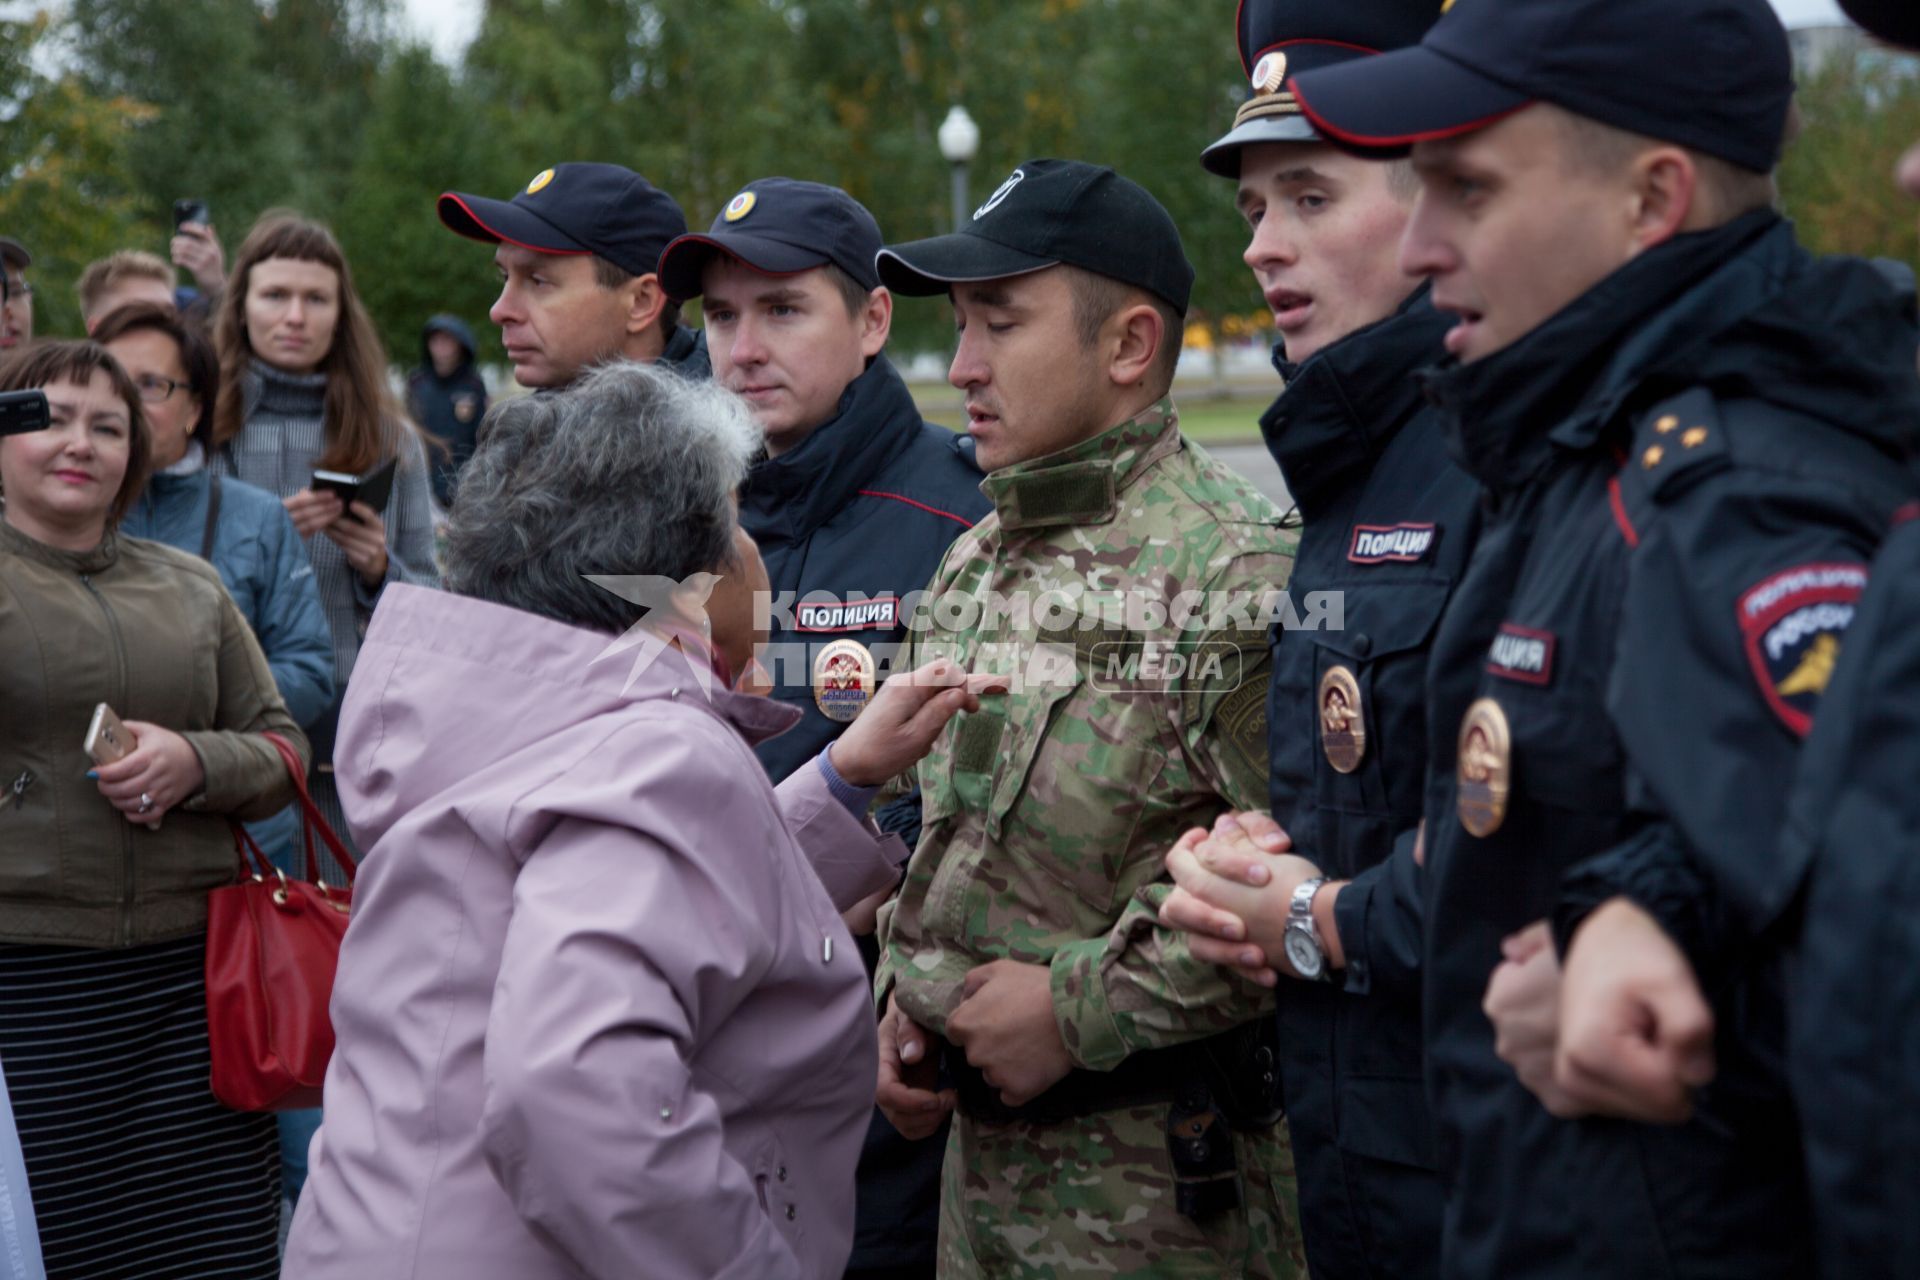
(108, 742)
(190, 211)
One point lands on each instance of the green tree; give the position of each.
(1860, 112)
(68, 191)
(423, 136)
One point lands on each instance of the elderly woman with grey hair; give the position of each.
(596, 1013)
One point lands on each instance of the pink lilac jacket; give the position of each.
(597, 1017)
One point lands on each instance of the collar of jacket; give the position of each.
(1343, 407)
(1083, 484)
(785, 499)
(272, 390)
(166, 494)
(96, 559)
(682, 344)
(1559, 387)
(596, 670)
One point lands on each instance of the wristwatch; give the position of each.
(1305, 952)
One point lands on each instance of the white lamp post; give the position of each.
(959, 143)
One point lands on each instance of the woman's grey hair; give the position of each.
(631, 473)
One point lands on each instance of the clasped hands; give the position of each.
(1622, 1029)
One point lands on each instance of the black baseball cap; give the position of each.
(13, 251)
(575, 208)
(1281, 38)
(1050, 212)
(779, 227)
(1897, 21)
(1713, 75)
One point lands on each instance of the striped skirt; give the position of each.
(135, 1170)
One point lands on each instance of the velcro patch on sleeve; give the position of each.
(1522, 653)
(1391, 543)
(1793, 623)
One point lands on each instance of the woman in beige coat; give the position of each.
(133, 1167)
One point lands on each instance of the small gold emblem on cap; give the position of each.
(843, 680)
(540, 180)
(1651, 458)
(1667, 425)
(1270, 73)
(741, 205)
(1695, 437)
(1343, 726)
(1485, 768)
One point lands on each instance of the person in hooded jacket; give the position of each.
(447, 397)
(597, 1015)
(1853, 833)
(853, 506)
(1389, 523)
(1692, 435)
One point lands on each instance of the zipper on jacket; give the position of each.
(120, 698)
(18, 791)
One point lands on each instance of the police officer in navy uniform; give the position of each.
(577, 250)
(1853, 830)
(1389, 522)
(853, 508)
(1693, 436)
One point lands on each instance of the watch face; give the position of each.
(1303, 954)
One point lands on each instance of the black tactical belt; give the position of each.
(1145, 1079)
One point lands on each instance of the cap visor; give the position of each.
(495, 221)
(1223, 157)
(685, 260)
(924, 268)
(1382, 106)
(1897, 21)
(13, 251)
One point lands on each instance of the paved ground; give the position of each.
(1257, 465)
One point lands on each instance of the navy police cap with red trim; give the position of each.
(575, 208)
(1613, 61)
(1279, 38)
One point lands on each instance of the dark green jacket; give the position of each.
(152, 633)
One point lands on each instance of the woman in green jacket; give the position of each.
(133, 1167)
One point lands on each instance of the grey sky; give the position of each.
(450, 24)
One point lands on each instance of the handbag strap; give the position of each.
(213, 516)
(313, 820)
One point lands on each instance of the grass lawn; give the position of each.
(1235, 420)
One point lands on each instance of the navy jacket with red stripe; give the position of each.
(1688, 470)
(851, 524)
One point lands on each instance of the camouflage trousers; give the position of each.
(1095, 1197)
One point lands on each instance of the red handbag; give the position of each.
(272, 947)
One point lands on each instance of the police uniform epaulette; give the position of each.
(1680, 442)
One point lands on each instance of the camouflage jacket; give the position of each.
(1125, 583)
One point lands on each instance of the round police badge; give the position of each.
(1485, 768)
(741, 205)
(540, 180)
(844, 680)
(1343, 728)
(1270, 73)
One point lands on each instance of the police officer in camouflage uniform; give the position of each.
(1692, 435)
(1112, 1120)
(1390, 522)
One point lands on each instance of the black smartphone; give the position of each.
(185, 211)
(373, 488)
(24, 411)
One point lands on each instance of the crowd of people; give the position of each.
(801, 840)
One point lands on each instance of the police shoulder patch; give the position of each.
(1404, 543)
(1793, 622)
